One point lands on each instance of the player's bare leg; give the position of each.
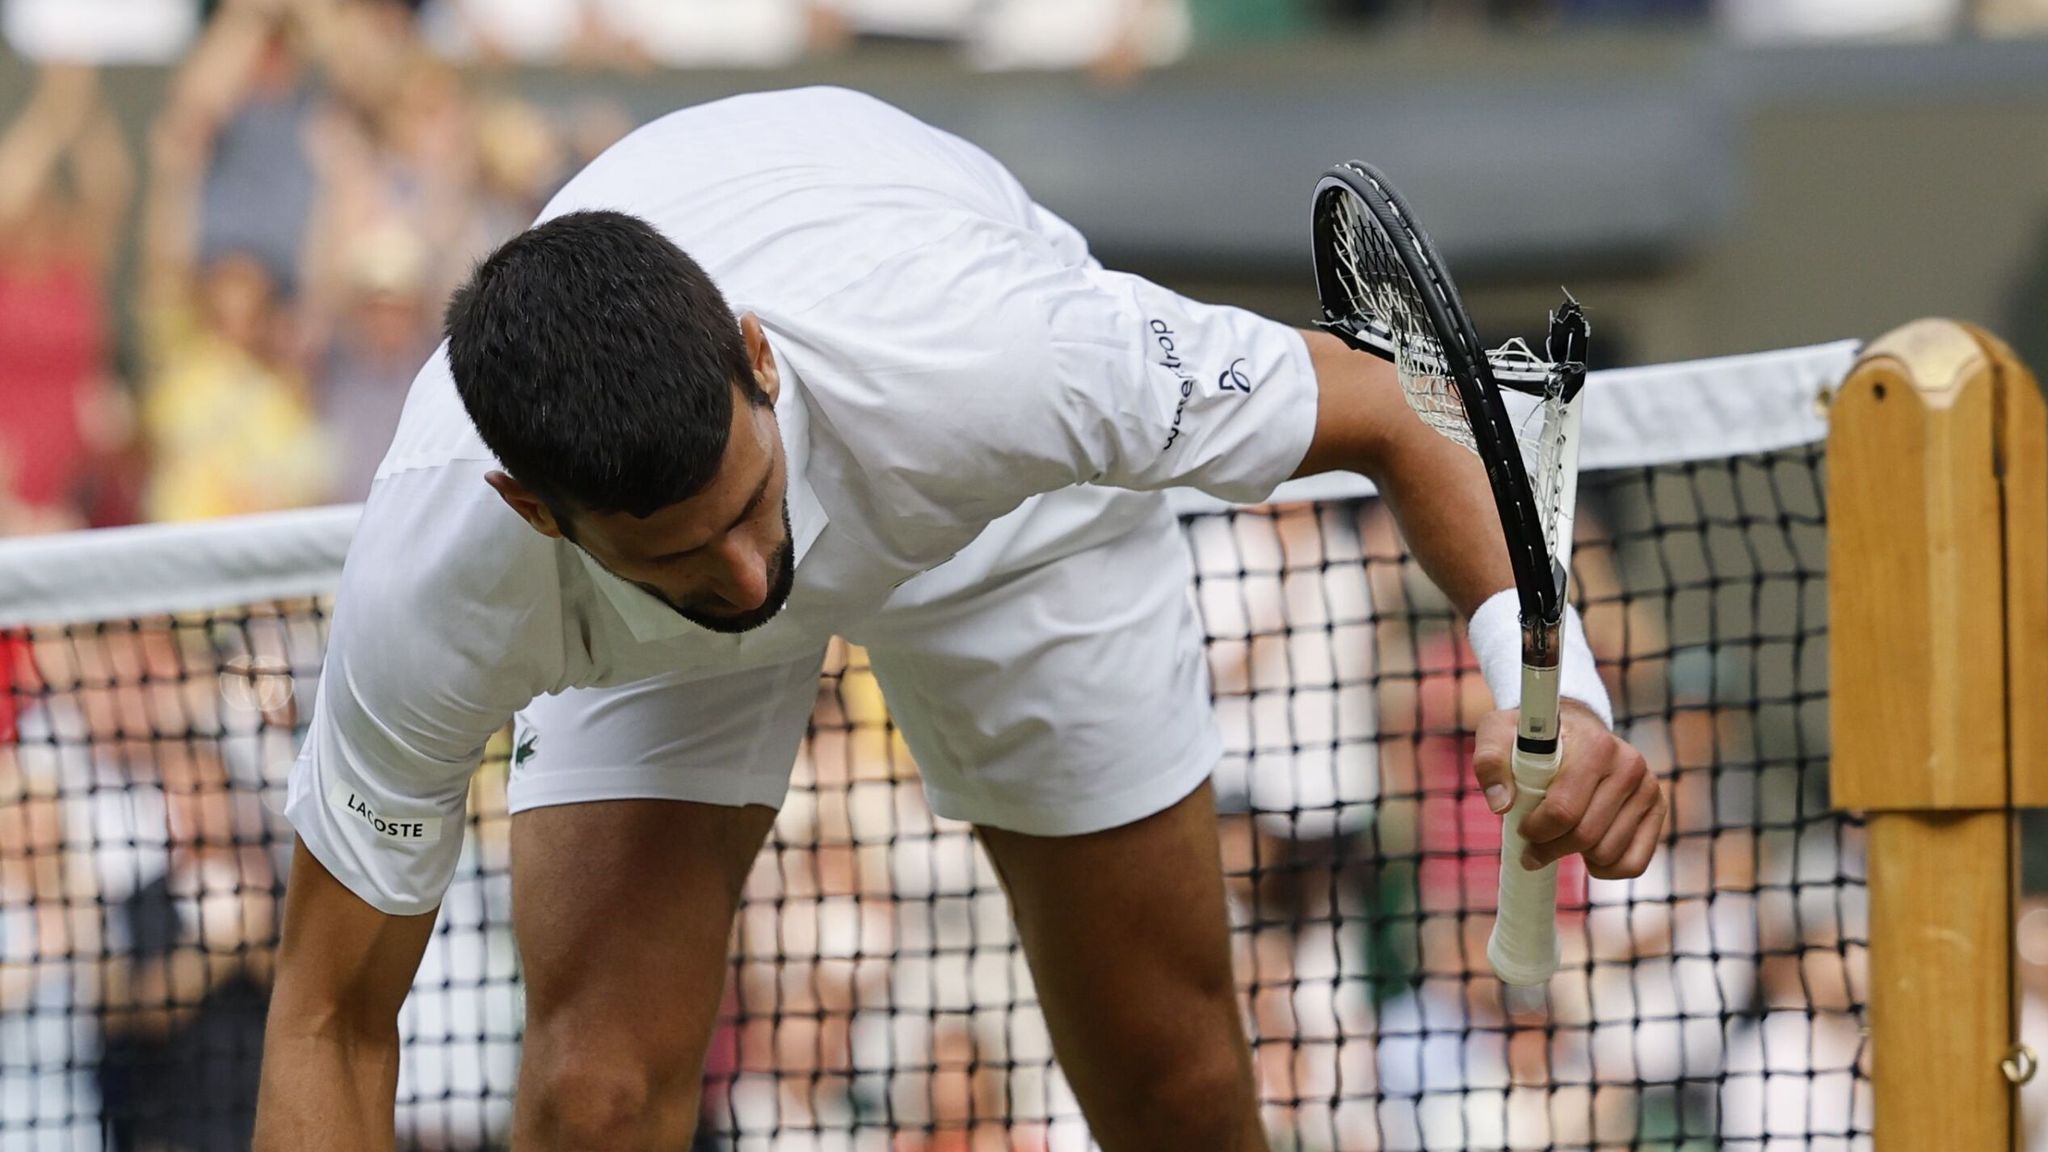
(1129, 944)
(623, 910)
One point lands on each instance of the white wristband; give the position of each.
(1496, 634)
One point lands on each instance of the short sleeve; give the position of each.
(448, 621)
(1176, 393)
(991, 362)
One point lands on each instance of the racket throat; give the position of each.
(1536, 734)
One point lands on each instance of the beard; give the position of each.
(781, 577)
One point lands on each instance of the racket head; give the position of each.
(1384, 290)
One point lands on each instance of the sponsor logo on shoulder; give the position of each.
(1169, 359)
(1231, 379)
(346, 799)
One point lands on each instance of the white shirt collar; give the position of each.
(650, 619)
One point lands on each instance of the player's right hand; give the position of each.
(1604, 804)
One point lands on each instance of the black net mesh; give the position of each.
(878, 997)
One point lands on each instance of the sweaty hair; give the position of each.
(598, 362)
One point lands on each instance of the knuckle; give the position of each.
(1547, 823)
(1576, 839)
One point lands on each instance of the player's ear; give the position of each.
(761, 356)
(530, 507)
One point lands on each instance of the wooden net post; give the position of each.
(1938, 626)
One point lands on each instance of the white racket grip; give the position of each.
(1524, 948)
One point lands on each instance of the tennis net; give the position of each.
(156, 681)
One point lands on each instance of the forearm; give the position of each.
(105, 174)
(29, 155)
(330, 1047)
(1438, 493)
(217, 71)
(1436, 489)
(325, 1086)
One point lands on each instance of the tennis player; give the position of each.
(771, 369)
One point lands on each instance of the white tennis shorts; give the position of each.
(1064, 698)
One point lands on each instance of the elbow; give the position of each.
(1363, 423)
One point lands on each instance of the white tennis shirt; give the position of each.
(956, 371)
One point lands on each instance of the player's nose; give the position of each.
(742, 574)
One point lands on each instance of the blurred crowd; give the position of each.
(1113, 34)
(313, 184)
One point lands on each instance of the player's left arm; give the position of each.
(1005, 368)
(1605, 802)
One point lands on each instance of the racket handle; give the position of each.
(1524, 948)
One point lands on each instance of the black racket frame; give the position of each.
(1539, 580)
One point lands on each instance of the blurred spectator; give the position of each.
(1796, 1074)
(363, 47)
(241, 108)
(1673, 952)
(817, 928)
(48, 1038)
(590, 126)
(83, 758)
(408, 160)
(1453, 1066)
(1283, 599)
(414, 190)
(188, 984)
(1651, 968)
(458, 1062)
(65, 182)
(159, 735)
(969, 1100)
(386, 333)
(226, 407)
(521, 160)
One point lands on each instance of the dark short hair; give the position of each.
(598, 362)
